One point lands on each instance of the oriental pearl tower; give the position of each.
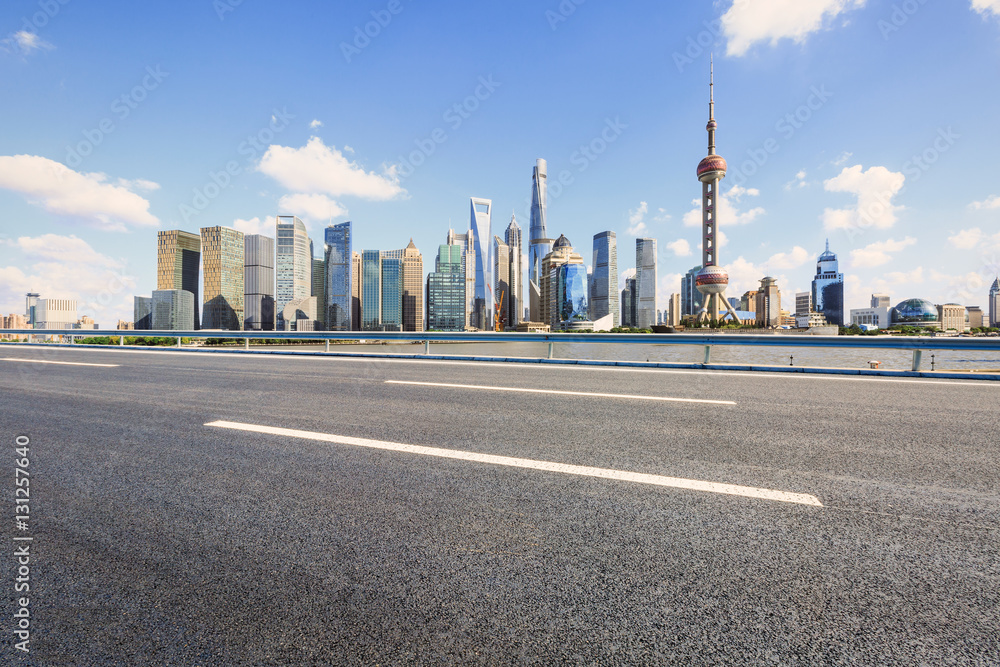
(712, 280)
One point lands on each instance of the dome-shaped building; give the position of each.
(915, 313)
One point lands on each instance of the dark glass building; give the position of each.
(828, 288)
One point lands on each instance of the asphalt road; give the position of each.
(160, 540)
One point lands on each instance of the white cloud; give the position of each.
(315, 124)
(966, 289)
(88, 197)
(636, 220)
(985, 7)
(318, 169)
(680, 248)
(789, 260)
(24, 43)
(966, 239)
(726, 210)
(67, 267)
(312, 208)
(874, 190)
(877, 254)
(842, 159)
(746, 23)
(263, 225)
(669, 283)
(798, 182)
(989, 203)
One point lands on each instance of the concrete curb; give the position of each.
(940, 375)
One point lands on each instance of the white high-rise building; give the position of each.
(293, 266)
(645, 282)
(539, 245)
(482, 246)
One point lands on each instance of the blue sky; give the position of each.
(865, 121)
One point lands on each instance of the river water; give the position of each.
(951, 360)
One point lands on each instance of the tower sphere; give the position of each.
(712, 167)
(712, 279)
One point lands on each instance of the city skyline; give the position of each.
(807, 160)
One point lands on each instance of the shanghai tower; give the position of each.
(539, 245)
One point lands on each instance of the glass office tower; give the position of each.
(572, 294)
(172, 310)
(605, 282)
(178, 262)
(828, 288)
(371, 294)
(392, 294)
(258, 283)
(222, 255)
(645, 282)
(446, 290)
(339, 270)
(515, 303)
(479, 226)
(293, 265)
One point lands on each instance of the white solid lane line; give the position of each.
(563, 393)
(605, 473)
(59, 363)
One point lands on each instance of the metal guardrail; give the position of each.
(917, 344)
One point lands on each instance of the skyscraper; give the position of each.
(446, 290)
(258, 283)
(515, 301)
(674, 310)
(828, 288)
(172, 310)
(467, 242)
(339, 275)
(539, 245)
(178, 259)
(629, 304)
(479, 227)
(995, 304)
(142, 312)
(30, 303)
(712, 280)
(222, 254)
(691, 298)
(355, 291)
(318, 289)
(391, 286)
(605, 285)
(371, 293)
(293, 265)
(501, 281)
(768, 303)
(645, 282)
(413, 292)
(552, 298)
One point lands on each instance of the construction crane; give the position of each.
(498, 320)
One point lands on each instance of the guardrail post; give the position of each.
(121, 340)
(551, 345)
(917, 355)
(178, 341)
(427, 347)
(246, 343)
(326, 348)
(708, 355)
